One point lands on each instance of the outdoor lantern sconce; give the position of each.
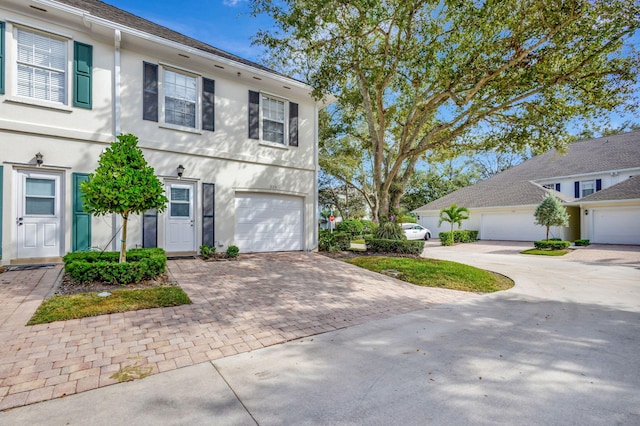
(180, 170)
(39, 160)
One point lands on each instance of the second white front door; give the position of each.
(180, 224)
(39, 214)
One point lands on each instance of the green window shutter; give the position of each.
(81, 219)
(1, 185)
(82, 74)
(1, 60)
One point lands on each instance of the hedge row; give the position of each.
(459, 236)
(551, 244)
(380, 245)
(334, 241)
(141, 264)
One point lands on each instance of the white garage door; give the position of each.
(511, 227)
(268, 223)
(616, 225)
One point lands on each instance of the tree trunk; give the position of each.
(123, 240)
(547, 233)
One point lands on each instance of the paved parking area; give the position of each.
(594, 253)
(238, 306)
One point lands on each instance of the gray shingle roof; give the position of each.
(111, 13)
(628, 189)
(515, 186)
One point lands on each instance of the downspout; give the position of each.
(115, 219)
(314, 245)
(116, 85)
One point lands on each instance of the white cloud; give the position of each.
(232, 3)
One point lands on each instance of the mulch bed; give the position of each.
(350, 254)
(68, 286)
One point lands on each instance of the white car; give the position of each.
(413, 231)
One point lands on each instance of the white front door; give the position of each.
(180, 226)
(39, 214)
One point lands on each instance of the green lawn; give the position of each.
(436, 273)
(62, 308)
(545, 252)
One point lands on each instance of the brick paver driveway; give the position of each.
(257, 301)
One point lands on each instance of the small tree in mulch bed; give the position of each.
(123, 184)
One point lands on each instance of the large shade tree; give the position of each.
(123, 184)
(417, 77)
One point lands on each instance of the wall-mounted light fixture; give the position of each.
(586, 212)
(39, 160)
(180, 170)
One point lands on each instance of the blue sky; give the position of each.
(225, 24)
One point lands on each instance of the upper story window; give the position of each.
(41, 66)
(46, 71)
(587, 188)
(555, 186)
(273, 120)
(180, 98)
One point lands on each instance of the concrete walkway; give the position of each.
(239, 306)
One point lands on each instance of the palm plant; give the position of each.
(453, 214)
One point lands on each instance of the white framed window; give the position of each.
(180, 103)
(273, 125)
(587, 187)
(41, 66)
(554, 186)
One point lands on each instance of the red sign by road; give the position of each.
(331, 218)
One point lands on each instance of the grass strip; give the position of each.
(436, 273)
(545, 252)
(81, 305)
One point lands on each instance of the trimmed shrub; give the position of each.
(334, 241)
(141, 264)
(233, 251)
(352, 227)
(390, 231)
(582, 242)
(368, 226)
(459, 236)
(207, 251)
(551, 245)
(382, 245)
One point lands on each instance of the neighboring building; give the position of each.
(597, 179)
(76, 73)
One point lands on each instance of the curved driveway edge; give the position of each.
(238, 306)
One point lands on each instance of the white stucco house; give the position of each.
(234, 143)
(598, 181)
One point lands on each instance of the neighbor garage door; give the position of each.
(616, 225)
(517, 226)
(268, 223)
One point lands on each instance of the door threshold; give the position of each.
(34, 261)
(182, 255)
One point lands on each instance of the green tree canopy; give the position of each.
(414, 78)
(551, 212)
(123, 184)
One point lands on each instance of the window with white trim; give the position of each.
(587, 187)
(180, 95)
(554, 186)
(41, 66)
(273, 123)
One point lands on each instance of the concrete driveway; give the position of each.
(561, 347)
